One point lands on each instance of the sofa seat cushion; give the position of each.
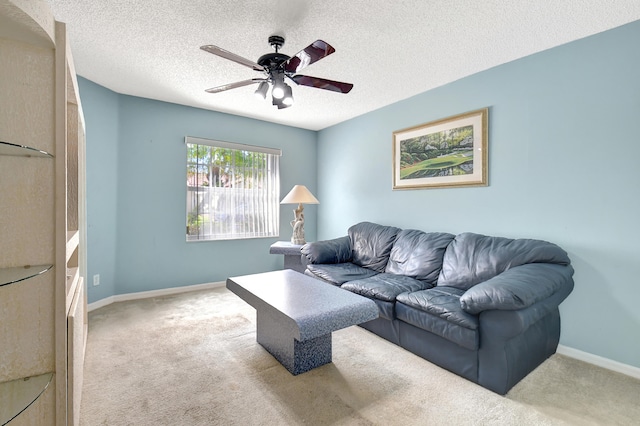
(384, 286)
(339, 273)
(387, 310)
(438, 311)
(383, 289)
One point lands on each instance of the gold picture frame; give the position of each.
(451, 152)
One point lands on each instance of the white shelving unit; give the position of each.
(42, 220)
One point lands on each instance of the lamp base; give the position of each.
(298, 226)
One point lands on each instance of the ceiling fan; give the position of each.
(277, 67)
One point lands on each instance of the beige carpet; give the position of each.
(192, 359)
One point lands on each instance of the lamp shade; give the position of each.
(299, 195)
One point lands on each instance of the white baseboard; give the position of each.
(152, 293)
(599, 361)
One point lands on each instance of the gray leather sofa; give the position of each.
(485, 308)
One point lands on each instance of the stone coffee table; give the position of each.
(296, 315)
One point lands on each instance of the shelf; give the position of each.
(73, 239)
(17, 395)
(20, 273)
(7, 148)
(73, 277)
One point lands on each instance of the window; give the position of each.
(233, 190)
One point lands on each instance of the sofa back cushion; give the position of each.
(418, 254)
(371, 244)
(472, 258)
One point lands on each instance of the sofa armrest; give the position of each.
(518, 288)
(337, 250)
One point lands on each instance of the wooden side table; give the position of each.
(292, 255)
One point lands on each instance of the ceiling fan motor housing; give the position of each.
(276, 42)
(272, 61)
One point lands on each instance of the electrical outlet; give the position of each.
(96, 279)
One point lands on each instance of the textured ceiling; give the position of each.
(389, 50)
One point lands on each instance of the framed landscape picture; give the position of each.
(443, 153)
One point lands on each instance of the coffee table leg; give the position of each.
(296, 356)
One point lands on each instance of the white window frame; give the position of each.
(234, 197)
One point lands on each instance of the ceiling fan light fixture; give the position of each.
(261, 91)
(278, 90)
(288, 96)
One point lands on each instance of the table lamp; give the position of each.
(299, 195)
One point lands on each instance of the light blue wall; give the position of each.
(100, 107)
(136, 151)
(563, 166)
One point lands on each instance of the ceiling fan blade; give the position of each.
(235, 85)
(321, 83)
(232, 57)
(307, 56)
